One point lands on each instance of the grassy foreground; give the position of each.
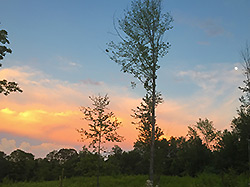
(203, 180)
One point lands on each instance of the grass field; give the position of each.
(202, 180)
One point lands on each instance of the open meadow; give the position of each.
(203, 180)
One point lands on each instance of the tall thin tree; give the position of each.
(245, 54)
(141, 32)
(242, 124)
(102, 127)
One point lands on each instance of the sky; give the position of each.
(58, 60)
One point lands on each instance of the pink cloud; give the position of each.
(40, 151)
(48, 109)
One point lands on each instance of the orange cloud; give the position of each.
(7, 111)
(48, 109)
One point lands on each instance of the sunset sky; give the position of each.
(58, 61)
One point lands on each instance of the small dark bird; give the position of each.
(107, 50)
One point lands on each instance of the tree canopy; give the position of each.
(6, 87)
(141, 32)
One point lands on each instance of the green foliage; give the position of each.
(227, 155)
(240, 134)
(178, 157)
(114, 161)
(103, 126)
(143, 27)
(203, 180)
(194, 157)
(6, 87)
(22, 165)
(142, 43)
(208, 180)
(88, 164)
(143, 114)
(205, 130)
(3, 48)
(229, 179)
(245, 99)
(4, 166)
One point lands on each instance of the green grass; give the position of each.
(203, 180)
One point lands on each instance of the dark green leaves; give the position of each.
(141, 31)
(102, 126)
(4, 40)
(6, 87)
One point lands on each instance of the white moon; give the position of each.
(235, 68)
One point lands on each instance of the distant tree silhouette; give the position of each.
(241, 123)
(102, 127)
(138, 52)
(4, 166)
(205, 130)
(6, 87)
(114, 161)
(22, 165)
(228, 156)
(245, 99)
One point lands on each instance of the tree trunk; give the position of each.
(61, 178)
(151, 168)
(98, 161)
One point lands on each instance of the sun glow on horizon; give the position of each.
(7, 111)
(164, 137)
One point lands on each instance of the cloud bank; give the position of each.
(48, 109)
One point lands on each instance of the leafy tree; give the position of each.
(241, 128)
(133, 163)
(87, 164)
(114, 161)
(55, 168)
(43, 170)
(51, 155)
(4, 166)
(68, 159)
(64, 155)
(241, 123)
(22, 165)
(102, 127)
(6, 87)
(4, 40)
(194, 156)
(172, 164)
(19, 155)
(227, 154)
(245, 99)
(63, 160)
(205, 130)
(143, 114)
(142, 43)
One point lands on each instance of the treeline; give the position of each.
(203, 150)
